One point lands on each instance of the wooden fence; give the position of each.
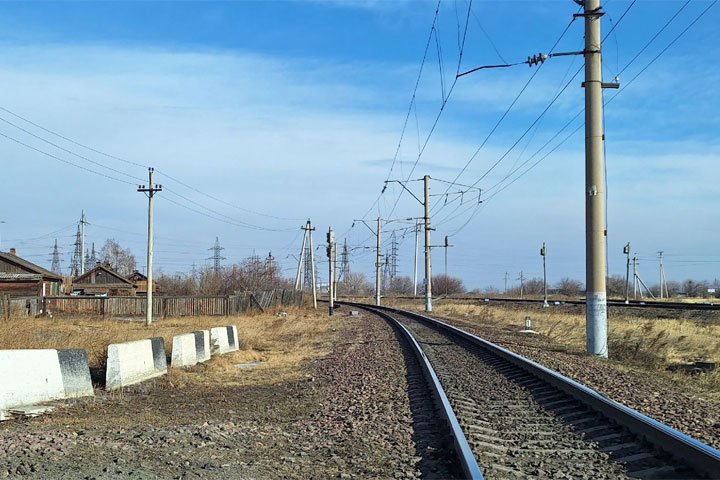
(11, 307)
(163, 306)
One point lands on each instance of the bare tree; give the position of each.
(121, 260)
(616, 286)
(569, 287)
(355, 284)
(177, 284)
(693, 288)
(400, 285)
(534, 286)
(447, 285)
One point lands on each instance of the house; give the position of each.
(20, 278)
(102, 280)
(141, 283)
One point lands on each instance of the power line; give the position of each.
(580, 112)
(446, 98)
(64, 160)
(69, 151)
(114, 157)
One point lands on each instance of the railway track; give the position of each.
(710, 306)
(519, 419)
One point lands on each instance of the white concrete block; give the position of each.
(133, 362)
(233, 341)
(33, 376)
(202, 345)
(29, 376)
(184, 350)
(224, 339)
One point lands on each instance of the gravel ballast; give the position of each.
(348, 415)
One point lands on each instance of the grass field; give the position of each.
(281, 344)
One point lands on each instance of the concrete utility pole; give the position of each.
(298, 277)
(446, 245)
(428, 259)
(378, 264)
(312, 265)
(543, 253)
(595, 228)
(506, 282)
(626, 251)
(415, 269)
(663, 282)
(635, 278)
(522, 283)
(331, 270)
(150, 191)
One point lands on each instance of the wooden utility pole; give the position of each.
(595, 227)
(150, 191)
(428, 259)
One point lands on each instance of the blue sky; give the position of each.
(295, 110)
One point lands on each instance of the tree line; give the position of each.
(255, 273)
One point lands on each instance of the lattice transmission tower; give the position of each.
(55, 268)
(216, 256)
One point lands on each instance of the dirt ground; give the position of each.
(331, 402)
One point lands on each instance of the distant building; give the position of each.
(102, 280)
(20, 278)
(141, 283)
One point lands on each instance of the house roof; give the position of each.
(20, 276)
(136, 277)
(85, 278)
(30, 267)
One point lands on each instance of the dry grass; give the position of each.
(280, 344)
(651, 344)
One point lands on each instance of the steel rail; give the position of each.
(613, 303)
(701, 457)
(468, 463)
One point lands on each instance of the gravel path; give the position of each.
(349, 415)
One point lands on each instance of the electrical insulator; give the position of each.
(536, 59)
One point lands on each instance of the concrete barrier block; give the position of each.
(133, 362)
(75, 372)
(184, 351)
(202, 345)
(233, 338)
(224, 339)
(33, 376)
(191, 348)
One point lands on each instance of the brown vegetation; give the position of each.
(281, 343)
